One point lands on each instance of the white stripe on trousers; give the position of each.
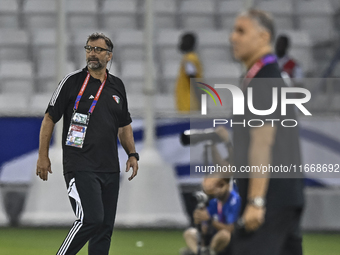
(72, 191)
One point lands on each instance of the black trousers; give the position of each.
(94, 199)
(279, 235)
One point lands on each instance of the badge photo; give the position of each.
(76, 135)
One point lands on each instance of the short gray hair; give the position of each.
(96, 36)
(263, 18)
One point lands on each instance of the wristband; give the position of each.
(135, 154)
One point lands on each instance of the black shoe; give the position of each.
(205, 251)
(186, 251)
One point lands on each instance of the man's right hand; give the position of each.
(253, 217)
(222, 133)
(43, 167)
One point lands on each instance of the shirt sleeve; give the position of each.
(235, 205)
(59, 100)
(125, 116)
(212, 208)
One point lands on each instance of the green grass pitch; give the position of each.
(36, 241)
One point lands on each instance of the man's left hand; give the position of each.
(132, 162)
(201, 215)
(253, 217)
(222, 133)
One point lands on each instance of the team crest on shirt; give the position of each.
(116, 98)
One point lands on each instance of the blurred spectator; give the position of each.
(286, 63)
(271, 207)
(186, 96)
(216, 221)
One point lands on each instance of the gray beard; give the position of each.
(95, 66)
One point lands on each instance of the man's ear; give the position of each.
(109, 57)
(265, 36)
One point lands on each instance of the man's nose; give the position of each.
(92, 53)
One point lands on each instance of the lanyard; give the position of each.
(219, 210)
(253, 71)
(81, 92)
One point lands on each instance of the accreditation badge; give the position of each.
(77, 130)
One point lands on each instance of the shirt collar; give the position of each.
(109, 76)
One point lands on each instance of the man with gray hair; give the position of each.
(94, 106)
(271, 207)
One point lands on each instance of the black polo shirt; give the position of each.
(282, 192)
(99, 152)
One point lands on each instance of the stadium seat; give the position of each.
(215, 54)
(320, 102)
(130, 45)
(16, 70)
(120, 14)
(336, 71)
(165, 103)
(44, 48)
(282, 12)
(168, 37)
(165, 14)
(46, 75)
(13, 44)
(170, 71)
(40, 14)
(132, 75)
(39, 102)
(14, 104)
(316, 17)
(197, 14)
(44, 45)
(213, 38)
(82, 14)
(18, 86)
(16, 77)
(136, 103)
(9, 10)
(113, 69)
(227, 12)
(221, 70)
(214, 45)
(167, 45)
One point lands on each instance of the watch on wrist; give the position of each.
(258, 202)
(135, 154)
(229, 144)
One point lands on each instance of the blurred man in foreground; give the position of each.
(186, 96)
(216, 221)
(271, 207)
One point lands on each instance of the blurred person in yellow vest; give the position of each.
(186, 95)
